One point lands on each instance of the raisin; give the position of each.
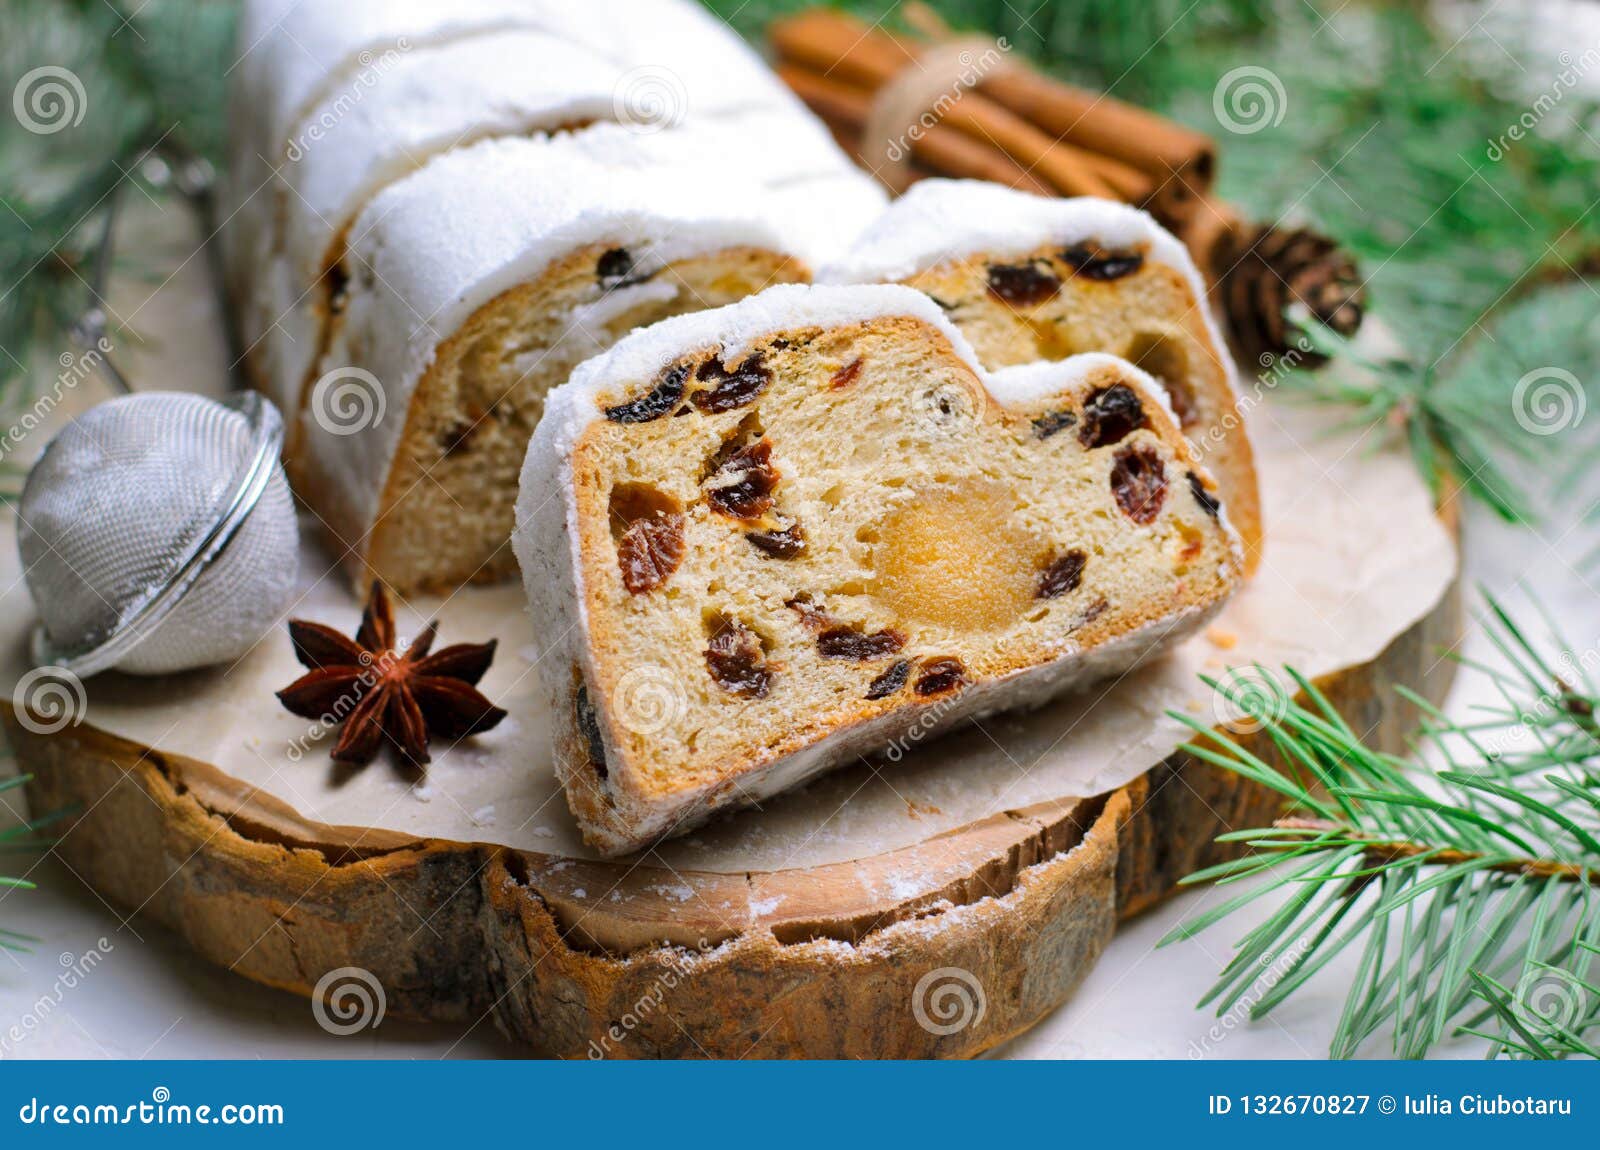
(1111, 414)
(453, 439)
(649, 552)
(614, 269)
(1208, 502)
(1046, 425)
(1022, 285)
(730, 389)
(742, 485)
(655, 403)
(1093, 262)
(846, 375)
(589, 727)
(1062, 576)
(787, 543)
(1139, 481)
(737, 663)
(945, 673)
(1092, 612)
(813, 616)
(890, 681)
(848, 643)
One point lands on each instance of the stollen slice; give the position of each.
(1026, 278)
(763, 540)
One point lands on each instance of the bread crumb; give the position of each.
(1222, 637)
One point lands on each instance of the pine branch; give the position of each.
(1452, 885)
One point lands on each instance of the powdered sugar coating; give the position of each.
(514, 205)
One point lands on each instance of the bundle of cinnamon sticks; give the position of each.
(935, 104)
(992, 118)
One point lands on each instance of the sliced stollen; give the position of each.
(763, 540)
(333, 101)
(478, 282)
(1026, 278)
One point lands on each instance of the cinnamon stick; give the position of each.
(844, 108)
(838, 45)
(1101, 146)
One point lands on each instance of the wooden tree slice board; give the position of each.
(822, 926)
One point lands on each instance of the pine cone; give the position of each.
(1269, 270)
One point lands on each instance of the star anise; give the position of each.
(378, 692)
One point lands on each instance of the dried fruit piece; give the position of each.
(655, 403)
(848, 643)
(1022, 285)
(1094, 262)
(1046, 425)
(1111, 414)
(813, 616)
(1063, 575)
(787, 543)
(650, 551)
(1090, 613)
(846, 375)
(941, 674)
(589, 727)
(1208, 502)
(615, 269)
(1139, 482)
(741, 487)
(730, 389)
(890, 681)
(737, 663)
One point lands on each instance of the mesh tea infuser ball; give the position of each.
(158, 534)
